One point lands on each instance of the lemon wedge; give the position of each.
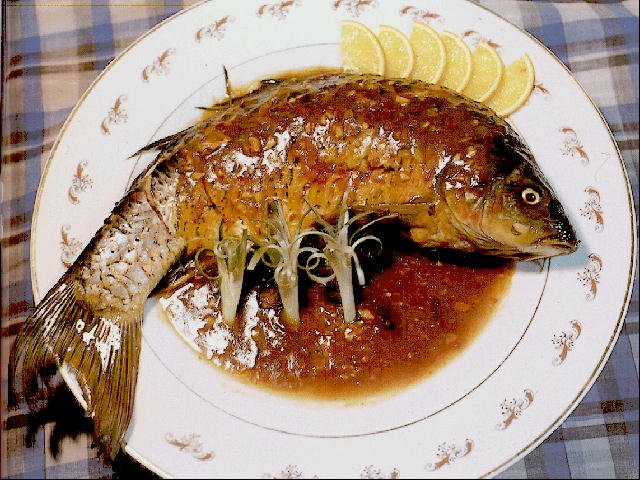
(486, 73)
(515, 87)
(457, 70)
(398, 54)
(430, 55)
(361, 52)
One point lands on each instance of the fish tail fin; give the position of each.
(107, 371)
(31, 351)
(101, 351)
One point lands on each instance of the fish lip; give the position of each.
(556, 246)
(569, 247)
(564, 237)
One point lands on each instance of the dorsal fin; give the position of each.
(166, 142)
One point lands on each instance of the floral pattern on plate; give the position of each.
(419, 15)
(160, 65)
(592, 209)
(216, 30)
(589, 276)
(192, 445)
(70, 246)
(116, 115)
(290, 471)
(512, 409)
(449, 453)
(572, 146)
(80, 182)
(565, 341)
(475, 37)
(354, 7)
(278, 10)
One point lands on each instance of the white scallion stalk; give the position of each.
(340, 254)
(280, 251)
(231, 259)
(341, 265)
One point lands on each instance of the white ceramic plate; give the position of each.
(490, 406)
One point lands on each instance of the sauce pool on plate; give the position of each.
(414, 315)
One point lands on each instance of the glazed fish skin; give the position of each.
(91, 319)
(456, 171)
(457, 175)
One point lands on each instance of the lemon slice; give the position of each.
(361, 52)
(398, 54)
(429, 53)
(457, 70)
(486, 73)
(515, 87)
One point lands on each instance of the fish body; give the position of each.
(457, 176)
(420, 150)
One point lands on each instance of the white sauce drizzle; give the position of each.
(239, 159)
(385, 143)
(274, 158)
(108, 342)
(191, 308)
(105, 337)
(247, 357)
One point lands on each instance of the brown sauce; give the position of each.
(415, 314)
(240, 90)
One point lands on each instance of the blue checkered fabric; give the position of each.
(51, 53)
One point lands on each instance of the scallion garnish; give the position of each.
(340, 254)
(231, 259)
(280, 250)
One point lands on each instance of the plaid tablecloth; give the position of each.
(52, 50)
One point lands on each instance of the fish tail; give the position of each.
(31, 352)
(101, 350)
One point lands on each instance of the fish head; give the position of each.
(506, 206)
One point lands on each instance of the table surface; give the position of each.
(52, 51)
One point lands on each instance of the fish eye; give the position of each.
(531, 196)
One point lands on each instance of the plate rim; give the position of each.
(37, 294)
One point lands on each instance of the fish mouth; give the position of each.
(569, 246)
(561, 247)
(563, 240)
(564, 236)
(554, 246)
(542, 250)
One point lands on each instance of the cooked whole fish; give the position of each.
(457, 176)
